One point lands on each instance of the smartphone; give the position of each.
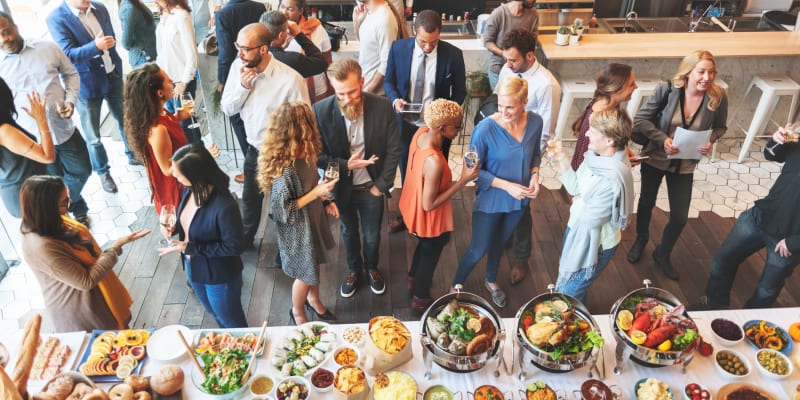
(414, 108)
(639, 158)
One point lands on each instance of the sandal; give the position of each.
(498, 295)
(518, 272)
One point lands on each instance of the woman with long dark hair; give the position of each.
(210, 235)
(614, 85)
(692, 101)
(20, 155)
(287, 170)
(138, 34)
(80, 290)
(177, 55)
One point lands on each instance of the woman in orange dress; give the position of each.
(425, 201)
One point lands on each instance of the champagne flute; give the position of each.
(187, 103)
(167, 218)
(553, 147)
(331, 173)
(471, 157)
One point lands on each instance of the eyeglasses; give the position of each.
(244, 48)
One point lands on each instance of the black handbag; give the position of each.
(335, 33)
(636, 136)
(210, 44)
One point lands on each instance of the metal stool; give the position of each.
(772, 87)
(646, 87)
(571, 89)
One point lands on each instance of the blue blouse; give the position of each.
(504, 157)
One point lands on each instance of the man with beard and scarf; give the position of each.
(29, 65)
(257, 85)
(359, 131)
(515, 14)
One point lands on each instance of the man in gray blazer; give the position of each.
(359, 131)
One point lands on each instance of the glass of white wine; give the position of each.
(471, 157)
(168, 218)
(553, 147)
(187, 104)
(792, 135)
(331, 173)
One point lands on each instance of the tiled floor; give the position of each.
(724, 187)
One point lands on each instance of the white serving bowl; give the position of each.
(240, 393)
(298, 380)
(319, 389)
(255, 379)
(779, 355)
(164, 344)
(346, 347)
(729, 375)
(721, 340)
(701, 387)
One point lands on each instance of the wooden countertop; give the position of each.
(674, 45)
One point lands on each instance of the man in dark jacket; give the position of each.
(280, 29)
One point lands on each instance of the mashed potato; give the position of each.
(400, 387)
(653, 389)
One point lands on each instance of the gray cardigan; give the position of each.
(654, 123)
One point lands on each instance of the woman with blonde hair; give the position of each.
(425, 202)
(508, 145)
(692, 101)
(613, 86)
(287, 170)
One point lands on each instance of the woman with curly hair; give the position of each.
(153, 133)
(287, 169)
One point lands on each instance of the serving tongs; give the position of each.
(191, 354)
(246, 375)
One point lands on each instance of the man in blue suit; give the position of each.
(442, 76)
(83, 30)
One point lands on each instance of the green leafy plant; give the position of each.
(477, 85)
(564, 30)
(216, 98)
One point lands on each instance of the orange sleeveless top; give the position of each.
(431, 223)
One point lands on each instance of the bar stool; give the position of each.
(646, 87)
(724, 86)
(572, 89)
(772, 87)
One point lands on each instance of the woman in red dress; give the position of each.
(153, 133)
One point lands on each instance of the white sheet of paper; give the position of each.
(688, 142)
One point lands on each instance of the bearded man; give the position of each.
(257, 85)
(359, 131)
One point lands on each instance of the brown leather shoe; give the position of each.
(397, 225)
(239, 178)
(518, 272)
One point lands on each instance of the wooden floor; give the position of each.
(158, 285)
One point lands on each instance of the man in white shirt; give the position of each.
(38, 65)
(544, 96)
(257, 85)
(376, 28)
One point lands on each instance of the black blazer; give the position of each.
(381, 138)
(228, 22)
(216, 239)
(308, 64)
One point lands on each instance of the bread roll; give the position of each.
(30, 341)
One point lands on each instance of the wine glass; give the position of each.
(471, 157)
(792, 135)
(167, 218)
(187, 104)
(331, 173)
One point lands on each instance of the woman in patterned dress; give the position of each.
(287, 170)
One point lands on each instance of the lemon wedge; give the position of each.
(624, 320)
(665, 345)
(638, 337)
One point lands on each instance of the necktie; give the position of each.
(419, 82)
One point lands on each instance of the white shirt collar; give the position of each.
(77, 11)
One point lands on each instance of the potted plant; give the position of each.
(562, 35)
(478, 84)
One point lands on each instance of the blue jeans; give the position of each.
(89, 112)
(363, 210)
(489, 232)
(744, 239)
(577, 283)
(252, 197)
(192, 134)
(426, 257)
(521, 238)
(493, 78)
(222, 300)
(72, 163)
(139, 58)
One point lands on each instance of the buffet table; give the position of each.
(701, 369)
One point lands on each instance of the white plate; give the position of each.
(277, 346)
(165, 345)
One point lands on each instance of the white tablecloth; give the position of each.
(701, 369)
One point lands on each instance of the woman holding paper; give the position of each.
(691, 103)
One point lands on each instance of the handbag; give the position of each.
(639, 138)
(210, 44)
(335, 33)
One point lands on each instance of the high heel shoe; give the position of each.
(327, 315)
(291, 317)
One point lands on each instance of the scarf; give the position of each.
(117, 298)
(308, 25)
(617, 170)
